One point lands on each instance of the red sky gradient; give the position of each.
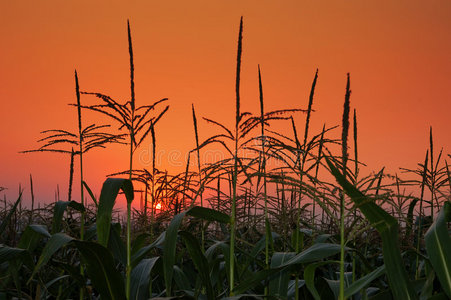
(397, 52)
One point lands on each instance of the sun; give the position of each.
(158, 206)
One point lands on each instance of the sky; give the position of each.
(397, 54)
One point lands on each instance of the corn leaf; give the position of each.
(309, 277)
(314, 253)
(142, 252)
(110, 190)
(199, 260)
(102, 270)
(58, 212)
(31, 236)
(438, 245)
(6, 220)
(116, 245)
(278, 284)
(140, 278)
(387, 226)
(181, 279)
(9, 253)
(363, 282)
(170, 239)
(55, 243)
(170, 242)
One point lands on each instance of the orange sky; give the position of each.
(397, 52)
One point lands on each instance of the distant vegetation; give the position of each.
(258, 226)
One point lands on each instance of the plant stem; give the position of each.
(32, 201)
(200, 175)
(420, 217)
(432, 187)
(80, 143)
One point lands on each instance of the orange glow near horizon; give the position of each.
(397, 53)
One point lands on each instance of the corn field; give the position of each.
(282, 215)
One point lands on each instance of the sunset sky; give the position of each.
(397, 54)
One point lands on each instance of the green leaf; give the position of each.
(309, 277)
(181, 279)
(440, 296)
(292, 288)
(428, 286)
(170, 240)
(90, 193)
(139, 242)
(208, 214)
(31, 236)
(101, 270)
(322, 238)
(387, 226)
(258, 247)
(315, 253)
(55, 280)
(142, 252)
(363, 282)
(268, 234)
(7, 219)
(334, 286)
(140, 278)
(9, 253)
(108, 195)
(58, 211)
(278, 284)
(55, 243)
(210, 250)
(116, 245)
(438, 245)
(409, 222)
(199, 260)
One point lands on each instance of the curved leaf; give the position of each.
(91, 194)
(116, 245)
(31, 236)
(136, 258)
(170, 239)
(309, 277)
(57, 241)
(170, 242)
(208, 214)
(7, 219)
(278, 285)
(110, 190)
(58, 211)
(181, 279)
(315, 253)
(387, 226)
(140, 278)
(364, 281)
(199, 261)
(9, 253)
(101, 269)
(438, 245)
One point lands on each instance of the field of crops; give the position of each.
(259, 223)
